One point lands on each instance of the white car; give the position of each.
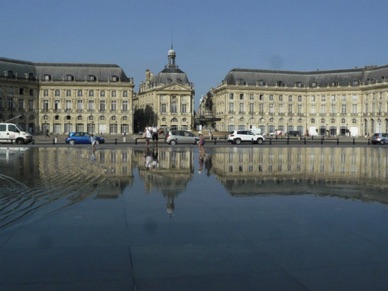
(239, 136)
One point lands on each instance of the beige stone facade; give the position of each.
(344, 102)
(60, 98)
(166, 99)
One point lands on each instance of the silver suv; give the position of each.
(380, 138)
(181, 136)
(239, 136)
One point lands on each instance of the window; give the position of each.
(261, 108)
(323, 108)
(299, 98)
(102, 93)
(91, 93)
(252, 107)
(289, 108)
(333, 108)
(280, 97)
(68, 93)
(31, 92)
(91, 105)
(231, 107)
(57, 105)
(80, 105)
(47, 77)
(332, 98)
(241, 108)
(241, 96)
(113, 93)
(251, 97)
(323, 98)
(163, 107)
(21, 91)
(102, 105)
(290, 98)
(300, 108)
(57, 93)
(354, 108)
(343, 108)
(271, 109)
(68, 104)
(115, 78)
(125, 105)
(173, 107)
(113, 105)
(92, 78)
(125, 93)
(45, 105)
(45, 92)
(21, 104)
(30, 105)
(270, 97)
(69, 78)
(230, 96)
(312, 98)
(312, 109)
(79, 93)
(183, 109)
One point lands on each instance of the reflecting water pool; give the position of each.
(174, 219)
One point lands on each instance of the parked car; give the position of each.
(293, 133)
(181, 136)
(380, 138)
(82, 138)
(239, 136)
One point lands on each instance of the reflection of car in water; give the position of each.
(7, 152)
(181, 136)
(82, 138)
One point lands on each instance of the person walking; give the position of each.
(201, 144)
(148, 135)
(155, 135)
(93, 140)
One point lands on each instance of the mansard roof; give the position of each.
(61, 71)
(353, 77)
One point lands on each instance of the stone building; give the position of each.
(165, 99)
(60, 97)
(337, 102)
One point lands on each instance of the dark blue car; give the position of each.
(82, 138)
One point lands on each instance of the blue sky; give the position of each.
(210, 37)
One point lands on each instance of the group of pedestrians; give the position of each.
(151, 133)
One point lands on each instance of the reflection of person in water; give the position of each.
(201, 161)
(147, 158)
(155, 161)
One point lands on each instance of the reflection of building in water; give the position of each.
(171, 176)
(283, 170)
(109, 171)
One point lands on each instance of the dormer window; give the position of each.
(314, 84)
(115, 78)
(92, 78)
(69, 78)
(10, 74)
(47, 77)
(261, 83)
(355, 83)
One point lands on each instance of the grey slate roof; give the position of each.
(60, 71)
(170, 75)
(347, 77)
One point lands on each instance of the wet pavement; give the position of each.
(236, 218)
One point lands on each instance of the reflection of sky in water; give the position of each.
(49, 179)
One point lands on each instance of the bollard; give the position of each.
(305, 141)
(54, 140)
(368, 141)
(124, 139)
(288, 140)
(215, 140)
(115, 140)
(135, 140)
(322, 140)
(312, 137)
(337, 140)
(270, 141)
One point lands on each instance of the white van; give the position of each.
(10, 132)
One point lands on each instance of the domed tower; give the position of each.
(171, 58)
